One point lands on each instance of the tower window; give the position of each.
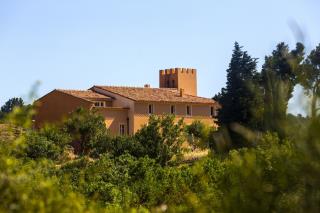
(173, 83)
(168, 83)
(188, 110)
(173, 109)
(150, 109)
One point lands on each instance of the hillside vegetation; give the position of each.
(260, 159)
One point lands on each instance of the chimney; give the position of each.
(181, 92)
(147, 86)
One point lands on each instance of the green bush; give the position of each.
(161, 138)
(117, 146)
(200, 134)
(86, 129)
(39, 146)
(49, 142)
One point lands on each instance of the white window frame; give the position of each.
(152, 109)
(99, 103)
(190, 107)
(124, 129)
(175, 109)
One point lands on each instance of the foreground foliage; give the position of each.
(275, 175)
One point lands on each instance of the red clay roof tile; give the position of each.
(86, 94)
(155, 94)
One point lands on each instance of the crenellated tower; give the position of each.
(180, 78)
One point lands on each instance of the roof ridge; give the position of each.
(64, 91)
(77, 90)
(135, 87)
(124, 86)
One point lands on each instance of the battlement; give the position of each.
(178, 70)
(180, 78)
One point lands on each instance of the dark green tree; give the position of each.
(241, 99)
(279, 77)
(309, 78)
(10, 105)
(86, 128)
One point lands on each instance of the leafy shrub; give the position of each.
(48, 142)
(56, 134)
(161, 138)
(200, 134)
(119, 145)
(86, 129)
(40, 147)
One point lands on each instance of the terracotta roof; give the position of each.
(85, 94)
(154, 94)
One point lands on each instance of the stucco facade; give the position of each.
(56, 105)
(126, 109)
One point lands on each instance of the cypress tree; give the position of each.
(241, 99)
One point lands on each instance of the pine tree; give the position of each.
(10, 105)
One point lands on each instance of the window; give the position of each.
(173, 83)
(122, 129)
(150, 109)
(99, 104)
(173, 109)
(212, 112)
(189, 110)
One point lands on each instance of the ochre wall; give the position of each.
(113, 118)
(54, 106)
(120, 101)
(187, 80)
(202, 110)
(199, 112)
(183, 79)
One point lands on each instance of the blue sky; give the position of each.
(75, 44)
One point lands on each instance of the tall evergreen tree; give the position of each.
(240, 97)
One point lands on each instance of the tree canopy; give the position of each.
(10, 105)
